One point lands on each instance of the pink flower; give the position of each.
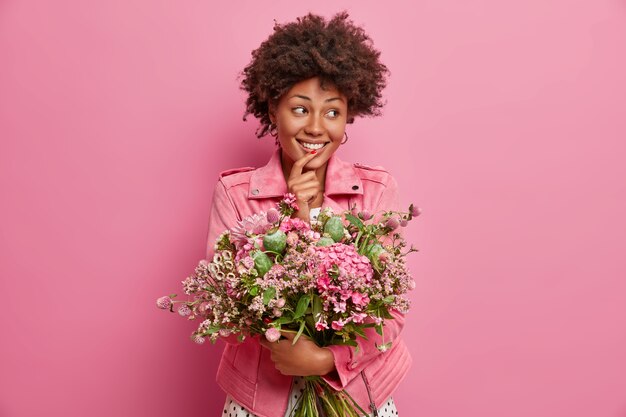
(404, 222)
(248, 262)
(392, 223)
(338, 324)
(184, 310)
(415, 211)
(365, 215)
(164, 302)
(290, 200)
(225, 332)
(321, 325)
(360, 299)
(384, 257)
(280, 303)
(255, 224)
(358, 317)
(323, 282)
(198, 339)
(272, 334)
(273, 215)
(340, 307)
(292, 238)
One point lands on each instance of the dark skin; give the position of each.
(306, 186)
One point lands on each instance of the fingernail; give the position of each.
(313, 152)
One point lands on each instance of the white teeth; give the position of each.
(313, 145)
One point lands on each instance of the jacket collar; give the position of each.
(269, 181)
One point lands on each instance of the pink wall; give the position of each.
(505, 123)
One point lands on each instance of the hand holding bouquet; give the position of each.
(328, 280)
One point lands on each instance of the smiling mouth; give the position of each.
(311, 146)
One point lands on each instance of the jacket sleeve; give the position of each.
(223, 215)
(349, 364)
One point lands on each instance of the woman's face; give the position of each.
(309, 117)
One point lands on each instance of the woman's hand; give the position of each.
(304, 358)
(305, 186)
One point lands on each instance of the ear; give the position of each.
(272, 111)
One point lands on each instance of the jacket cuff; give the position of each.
(343, 373)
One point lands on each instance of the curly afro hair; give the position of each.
(337, 51)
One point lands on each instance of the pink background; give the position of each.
(505, 122)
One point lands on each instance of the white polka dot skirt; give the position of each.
(233, 409)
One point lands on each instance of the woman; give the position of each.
(305, 83)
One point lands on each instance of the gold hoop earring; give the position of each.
(273, 130)
(345, 139)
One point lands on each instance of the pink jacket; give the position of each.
(246, 371)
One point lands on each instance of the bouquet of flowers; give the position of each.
(329, 280)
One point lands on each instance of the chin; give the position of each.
(319, 161)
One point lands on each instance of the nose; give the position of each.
(315, 126)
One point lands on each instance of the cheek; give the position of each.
(337, 134)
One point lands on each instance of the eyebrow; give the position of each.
(309, 99)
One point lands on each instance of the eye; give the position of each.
(299, 110)
(333, 113)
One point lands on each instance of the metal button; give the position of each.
(355, 187)
(255, 191)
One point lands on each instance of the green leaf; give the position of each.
(316, 307)
(360, 332)
(355, 221)
(389, 299)
(211, 330)
(283, 320)
(379, 329)
(268, 295)
(300, 330)
(303, 304)
(254, 291)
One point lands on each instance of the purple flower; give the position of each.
(164, 302)
(272, 334)
(365, 215)
(273, 215)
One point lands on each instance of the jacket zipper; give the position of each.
(369, 395)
